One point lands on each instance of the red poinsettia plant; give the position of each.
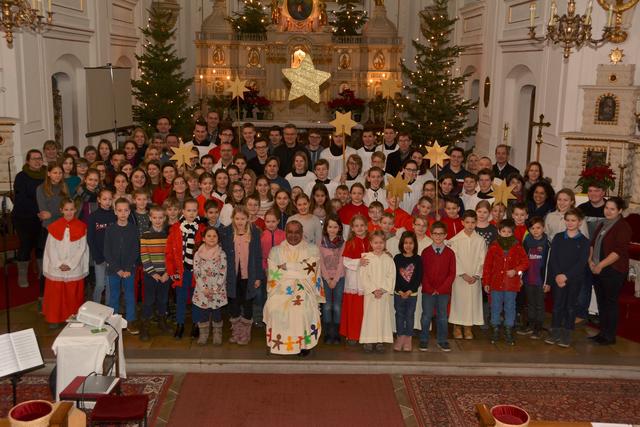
(253, 99)
(347, 101)
(600, 174)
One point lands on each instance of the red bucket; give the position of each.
(510, 416)
(32, 413)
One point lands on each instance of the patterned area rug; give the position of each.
(33, 387)
(449, 400)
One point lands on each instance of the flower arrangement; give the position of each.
(253, 99)
(347, 101)
(600, 174)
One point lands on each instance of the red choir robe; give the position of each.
(353, 296)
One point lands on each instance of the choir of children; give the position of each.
(202, 236)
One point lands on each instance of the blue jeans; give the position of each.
(405, 314)
(116, 283)
(565, 301)
(205, 314)
(584, 295)
(101, 283)
(503, 300)
(440, 303)
(183, 294)
(156, 294)
(331, 308)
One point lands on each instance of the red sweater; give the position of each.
(496, 265)
(520, 232)
(454, 226)
(438, 271)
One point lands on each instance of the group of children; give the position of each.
(384, 268)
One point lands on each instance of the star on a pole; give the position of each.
(183, 154)
(237, 88)
(503, 193)
(343, 123)
(305, 80)
(397, 186)
(389, 87)
(437, 154)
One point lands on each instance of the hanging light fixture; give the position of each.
(17, 15)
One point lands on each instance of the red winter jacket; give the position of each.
(496, 265)
(173, 252)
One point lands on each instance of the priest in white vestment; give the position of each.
(294, 293)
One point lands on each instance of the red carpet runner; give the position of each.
(449, 400)
(286, 400)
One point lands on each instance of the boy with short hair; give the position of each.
(452, 216)
(519, 215)
(342, 193)
(469, 193)
(156, 279)
(485, 180)
(565, 273)
(171, 207)
(375, 216)
(321, 169)
(503, 266)
(438, 274)
(212, 213)
(140, 215)
(536, 245)
(97, 224)
(121, 253)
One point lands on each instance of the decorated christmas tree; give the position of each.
(162, 89)
(252, 20)
(433, 107)
(347, 20)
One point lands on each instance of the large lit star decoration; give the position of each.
(503, 193)
(437, 154)
(397, 186)
(305, 80)
(183, 154)
(389, 88)
(343, 123)
(237, 88)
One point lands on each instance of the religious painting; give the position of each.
(253, 58)
(217, 57)
(218, 86)
(594, 156)
(607, 109)
(345, 61)
(378, 60)
(300, 9)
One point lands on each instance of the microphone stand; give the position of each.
(5, 250)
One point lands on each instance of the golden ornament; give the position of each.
(183, 154)
(616, 55)
(397, 186)
(305, 80)
(237, 88)
(389, 88)
(343, 123)
(436, 154)
(503, 193)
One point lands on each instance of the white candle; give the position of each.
(638, 106)
(532, 15)
(610, 16)
(608, 151)
(588, 14)
(49, 5)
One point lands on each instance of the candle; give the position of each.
(588, 14)
(49, 6)
(623, 161)
(201, 85)
(553, 12)
(610, 16)
(638, 106)
(608, 151)
(532, 15)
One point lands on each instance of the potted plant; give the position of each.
(347, 101)
(253, 101)
(601, 174)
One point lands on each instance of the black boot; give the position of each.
(195, 331)
(508, 336)
(144, 331)
(179, 331)
(336, 334)
(163, 325)
(495, 334)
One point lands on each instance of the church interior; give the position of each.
(554, 84)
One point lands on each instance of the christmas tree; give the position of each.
(161, 90)
(348, 20)
(434, 108)
(252, 20)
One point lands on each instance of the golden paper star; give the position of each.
(389, 88)
(305, 80)
(503, 193)
(436, 154)
(237, 88)
(397, 186)
(183, 154)
(343, 123)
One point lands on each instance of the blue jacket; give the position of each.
(255, 261)
(97, 224)
(121, 248)
(568, 256)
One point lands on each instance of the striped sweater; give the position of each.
(152, 245)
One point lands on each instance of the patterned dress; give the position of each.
(211, 281)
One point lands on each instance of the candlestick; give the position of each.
(532, 15)
(610, 16)
(608, 151)
(201, 85)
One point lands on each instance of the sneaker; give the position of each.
(424, 346)
(525, 331)
(535, 335)
(132, 328)
(554, 337)
(380, 347)
(368, 348)
(444, 346)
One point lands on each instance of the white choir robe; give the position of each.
(380, 273)
(466, 299)
(292, 313)
(379, 195)
(73, 254)
(336, 162)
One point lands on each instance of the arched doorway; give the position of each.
(63, 117)
(519, 109)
